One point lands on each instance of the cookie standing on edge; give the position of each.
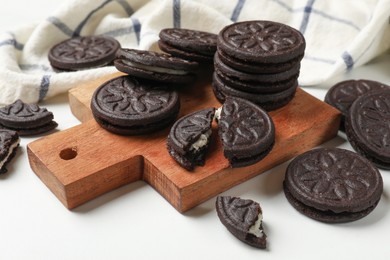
(188, 44)
(127, 106)
(26, 119)
(243, 218)
(344, 93)
(9, 143)
(332, 185)
(83, 53)
(155, 66)
(247, 132)
(189, 138)
(368, 127)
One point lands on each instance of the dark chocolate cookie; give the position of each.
(268, 101)
(83, 52)
(200, 42)
(184, 54)
(256, 77)
(155, 66)
(243, 218)
(127, 106)
(261, 42)
(26, 119)
(189, 138)
(333, 185)
(368, 126)
(9, 142)
(344, 93)
(262, 68)
(247, 132)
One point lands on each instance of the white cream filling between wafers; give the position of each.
(255, 229)
(155, 69)
(202, 141)
(10, 150)
(217, 114)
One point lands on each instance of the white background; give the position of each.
(135, 222)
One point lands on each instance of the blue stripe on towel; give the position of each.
(125, 5)
(78, 29)
(44, 87)
(12, 42)
(348, 60)
(306, 16)
(237, 10)
(136, 28)
(60, 25)
(176, 14)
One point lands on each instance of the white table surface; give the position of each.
(135, 222)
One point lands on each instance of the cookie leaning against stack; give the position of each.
(258, 61)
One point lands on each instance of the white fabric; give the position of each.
(340, 35)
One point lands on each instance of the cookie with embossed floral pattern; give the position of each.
(127, 106)
(344, 93)
(333, 185)
(83, 52)
(368, 126)
(155, 66)
(189, 138)
(261, 42)
(188, 44)
(26, 119)
(243, 218)
(247, 132)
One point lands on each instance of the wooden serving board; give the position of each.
(85, 161)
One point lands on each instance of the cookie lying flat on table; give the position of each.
(247, 132)
(188, 44)
(9, 142)
(155, 66)
(83, 53)
(26, 119)
(243, 218)
(127, 106)
(333, 185)
(189, 138)
(344, 93)
(368, 127)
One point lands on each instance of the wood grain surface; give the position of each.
(86, 161)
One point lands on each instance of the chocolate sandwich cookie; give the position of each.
(243, 218)
(268, 101)
(368, 126)
(256, 87)
(344, 93)
(261, 42)
(189, 138)
(247, 132)
(9, 143)
(127, 106)
(26, 119)
(83, 53)
(188, 44)
(155, 66)
(263, 68)
(332, 185)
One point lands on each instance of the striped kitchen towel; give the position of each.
(340, 35)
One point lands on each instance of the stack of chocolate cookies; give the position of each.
(258, 61)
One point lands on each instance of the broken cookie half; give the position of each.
(9, 142)
(189, 138)
(243, 218)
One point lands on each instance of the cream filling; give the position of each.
(155, 69)
(217, 115)
(255, 229)
(10, 150)
(202, 141)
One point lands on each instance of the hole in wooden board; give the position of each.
(68, 153)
